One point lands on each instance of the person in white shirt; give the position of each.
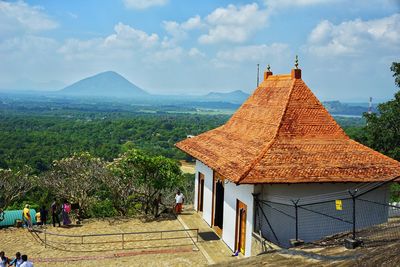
(4, 261)
(179, 200)
(26, 263)
(17, 261)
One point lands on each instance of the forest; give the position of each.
(36, 140)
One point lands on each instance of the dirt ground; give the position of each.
(187, 167)
(138, 249)
(381, 246)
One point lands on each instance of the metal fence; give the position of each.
(363, 214)
(115, 241)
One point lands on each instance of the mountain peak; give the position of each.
(108, 83)
(237, 96)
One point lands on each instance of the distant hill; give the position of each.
(236, 97)
(354, 109)
(108, 84)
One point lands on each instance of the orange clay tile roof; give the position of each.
(283, 134)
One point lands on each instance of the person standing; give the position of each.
(55, 213)
(43, 215)
(3, 259)
(38, 220)
(179, 200)
(25, 262)
(66, 209)
(26, 214)
(17, 261)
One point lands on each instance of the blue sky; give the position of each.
(194, 47)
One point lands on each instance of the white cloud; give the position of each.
(290, 3)
(179, 31)
(234, 23)
(19, 18)
(143, 4)
(355, 37)
(126, 36)
(125, 39)
(194, 52)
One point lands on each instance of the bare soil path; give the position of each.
(172, 252)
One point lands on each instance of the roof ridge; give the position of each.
(270, 143)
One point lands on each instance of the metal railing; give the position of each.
(159, 235)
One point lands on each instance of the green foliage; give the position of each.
(383, 129)
(21, 205)
(144, 176)
(103, 208)
(395, 192)
(188, 188)
(396, 72)
(382, 132)
(36, 140)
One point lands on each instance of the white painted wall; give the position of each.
(231, 194)
(208, 185)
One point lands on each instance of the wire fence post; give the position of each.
(123, 241)
(45, 239)
(354, 217)
(353, 242)
(296, 212)
(353, 198)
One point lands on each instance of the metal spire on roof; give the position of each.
(268, 68)
(296, 62)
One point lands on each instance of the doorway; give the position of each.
(200, 192)
(241, 216)
(218, 194)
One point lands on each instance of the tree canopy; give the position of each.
(76, 179)
(382, 132)
(14, 184)
(142, 176)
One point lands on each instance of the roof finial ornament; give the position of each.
(268, 68)
(296, 62)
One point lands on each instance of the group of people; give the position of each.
(41, 217)
(65, 208)
(18, 261)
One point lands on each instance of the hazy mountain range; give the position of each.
(111, 85)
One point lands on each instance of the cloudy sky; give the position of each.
(194, 47)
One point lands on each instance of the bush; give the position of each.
(21, 206)
(103, 208)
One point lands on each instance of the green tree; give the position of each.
(382, 132)
(76, 179)
(383, 129)
(143, 177)
(396, 72)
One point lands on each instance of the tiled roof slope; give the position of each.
(283, 134)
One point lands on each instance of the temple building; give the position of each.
(281, 141)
